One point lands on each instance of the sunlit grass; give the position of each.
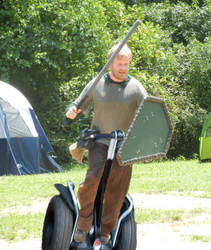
(164, 216)
(203, 238)
(185, 177)
(157, 216)
(23, 190)
(20, 227)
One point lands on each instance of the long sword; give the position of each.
(103, 70)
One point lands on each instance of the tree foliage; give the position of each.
(51, 49)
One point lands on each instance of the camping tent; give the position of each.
(205, 140)
(24, 146)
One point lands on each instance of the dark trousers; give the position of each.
(116, 190)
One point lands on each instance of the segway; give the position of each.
(63, 211)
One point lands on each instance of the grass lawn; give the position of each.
(187, 177)
(184, 177)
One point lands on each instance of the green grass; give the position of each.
(185, 177)
(23, 190)
(155, 216)
(20, 227)
(203, 238)
(164, 216)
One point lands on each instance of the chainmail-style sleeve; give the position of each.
(85, 98)
(141, 93)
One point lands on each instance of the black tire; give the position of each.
(58, 225)
(127, 239)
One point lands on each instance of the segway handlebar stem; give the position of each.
(115, 136)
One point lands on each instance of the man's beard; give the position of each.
(120, 77)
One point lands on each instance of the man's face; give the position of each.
(119, 69)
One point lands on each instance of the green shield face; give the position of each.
(149, 134)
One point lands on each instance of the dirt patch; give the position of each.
(32, 244)
(38, 206)
(165, 237)
(193, 233)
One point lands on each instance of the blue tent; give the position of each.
(24, 146)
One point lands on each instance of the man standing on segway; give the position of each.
(115, 98)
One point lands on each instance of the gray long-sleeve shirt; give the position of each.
(114, 103)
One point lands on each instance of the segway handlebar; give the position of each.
(118, 134)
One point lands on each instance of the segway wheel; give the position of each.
(58, 225)
(127, 239)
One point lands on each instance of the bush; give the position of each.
(182, 21)
(177, 72)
